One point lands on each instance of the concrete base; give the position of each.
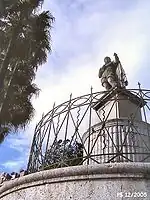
(104, 182)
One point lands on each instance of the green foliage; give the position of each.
(24, 44)
(62, 154)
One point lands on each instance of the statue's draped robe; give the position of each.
(116, 70)
(121, 76)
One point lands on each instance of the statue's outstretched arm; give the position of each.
(117, 61)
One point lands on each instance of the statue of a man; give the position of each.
(112, 74)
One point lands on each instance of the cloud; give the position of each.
(13, 164)
(14, 152)
(90, 37)
(18, 142)
(83, 34)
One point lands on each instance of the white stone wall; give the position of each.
(99, 182)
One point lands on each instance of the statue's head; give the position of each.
(107, 60)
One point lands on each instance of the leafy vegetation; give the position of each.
(63, 153)
(25, 41)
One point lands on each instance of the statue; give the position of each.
(112, 74)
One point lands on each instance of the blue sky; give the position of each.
(85, 31)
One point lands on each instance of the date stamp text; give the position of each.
(132, 194)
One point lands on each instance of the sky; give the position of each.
(84, 32)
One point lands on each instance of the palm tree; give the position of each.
(24, 45)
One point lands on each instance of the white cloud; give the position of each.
(123, 33)
(81, 41)
(14, 164)
(18, 142)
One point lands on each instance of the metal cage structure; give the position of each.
(101, 127)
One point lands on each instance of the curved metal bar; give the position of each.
(61, 123)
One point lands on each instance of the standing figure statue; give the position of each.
(112, 74)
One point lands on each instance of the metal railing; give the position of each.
(76, 132)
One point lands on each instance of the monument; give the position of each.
(112, 74)
(96, 146)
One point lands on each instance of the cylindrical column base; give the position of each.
(118, 141)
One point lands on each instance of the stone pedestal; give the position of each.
(118, 141)
(121, 135)
(119, 104)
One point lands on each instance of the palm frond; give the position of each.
(29, 29)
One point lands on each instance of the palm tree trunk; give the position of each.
(6, 90)
(6, 61)
(4, 67)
